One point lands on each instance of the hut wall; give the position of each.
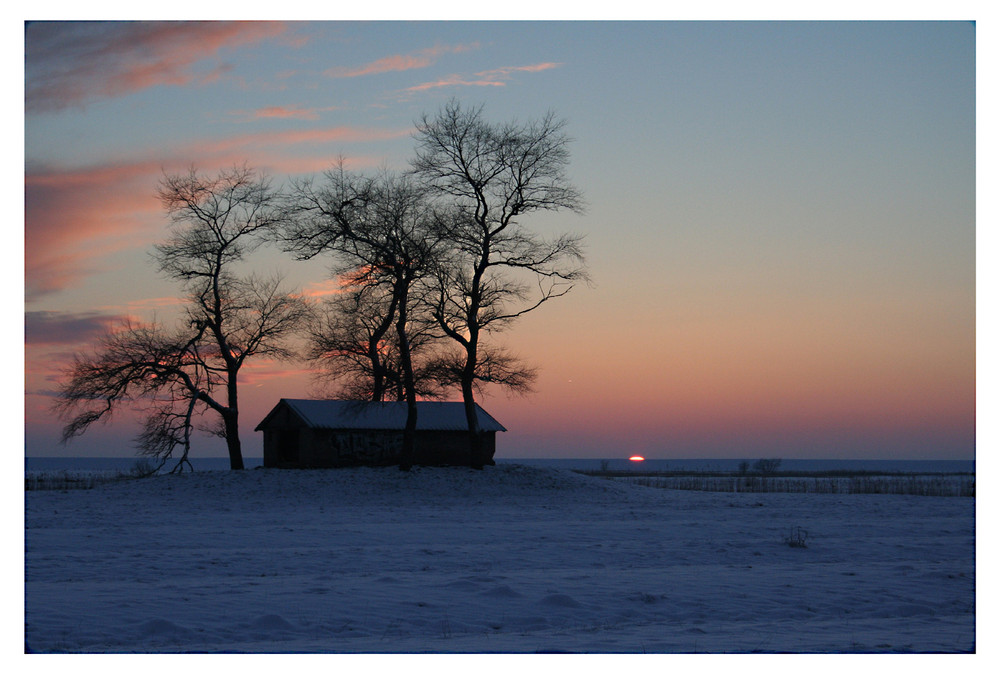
(324, 448)
(283, 440)
(289, 444)
(449, 447)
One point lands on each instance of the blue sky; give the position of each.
(781, 220)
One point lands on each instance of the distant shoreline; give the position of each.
(53, 463)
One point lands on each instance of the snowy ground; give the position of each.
(510, 559)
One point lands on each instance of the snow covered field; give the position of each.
(510, 559)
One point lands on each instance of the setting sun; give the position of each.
(636, 458)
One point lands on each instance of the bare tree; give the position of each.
(141, 366)
(487, 176)
(766, 466)
(217, 222)
(381, 231)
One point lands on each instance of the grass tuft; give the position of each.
(796, 537)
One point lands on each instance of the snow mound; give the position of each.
(385, 486)
(560, 601)
(162, 629)
(502, 592)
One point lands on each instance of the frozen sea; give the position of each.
(513, 559)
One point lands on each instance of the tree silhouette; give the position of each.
(145, 367)
(217, 221)
(486, 177)
(381, 230)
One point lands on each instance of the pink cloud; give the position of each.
(454, 81)
(279, 141)
(281, 112)
(144, 305)
(71, 216)
(387, 64)
(74, 216)
(58, 328)
(399, 62)
(54, 272)
(285, 112)
(487, 78)
(257, 371)
(289, 152)
(72, 63)
(325, 288)
(505, 73)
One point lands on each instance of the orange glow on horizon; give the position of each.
(636, 458)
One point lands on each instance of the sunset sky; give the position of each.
(780, 219)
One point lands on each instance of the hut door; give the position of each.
(288, 445)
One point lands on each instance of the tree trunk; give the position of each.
(409, 432)
(408, 381)
(380, 385)
(378, 379)
(231, 419)
(472, 419)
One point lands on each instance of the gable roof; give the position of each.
(362, 415)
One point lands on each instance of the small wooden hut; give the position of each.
(332, 433)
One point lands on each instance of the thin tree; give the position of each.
(488, 177)
(380, 230)
(217, 221)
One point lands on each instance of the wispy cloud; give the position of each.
(44, 275)
(289, 152)
(320, 289)
(398, 62)
(292, 137)
(73, 216)
(505, 73)
(257, 371)
(497, 77)
(72, 63)
(45, 328)
(454, 81)
(281, 112)
(144, 305)
(286, 112)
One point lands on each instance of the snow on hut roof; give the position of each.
(362, 415)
